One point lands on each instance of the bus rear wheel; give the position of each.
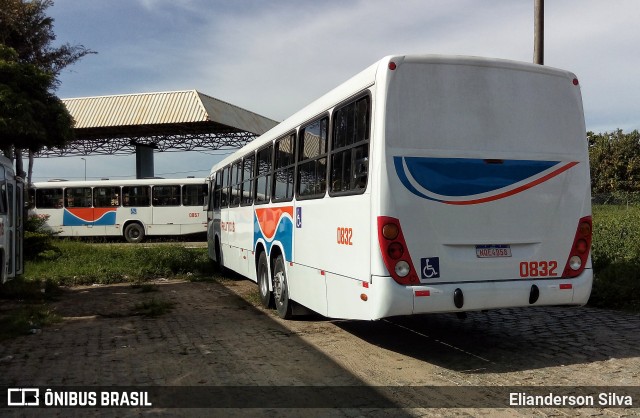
(281, 289)
(134, 233)
(266, 297)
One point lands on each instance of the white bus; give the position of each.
(11, 221)
(422, 184)
(132, 209)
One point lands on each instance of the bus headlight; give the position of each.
(402, 268)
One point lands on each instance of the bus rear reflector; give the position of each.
(579, 254)
(395, 253)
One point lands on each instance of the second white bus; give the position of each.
(132, 209)
(423, 184)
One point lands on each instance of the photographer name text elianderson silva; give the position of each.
(602, 399)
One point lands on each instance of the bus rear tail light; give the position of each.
(395, 253)
(580, 249)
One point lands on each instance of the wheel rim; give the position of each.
(278, 286)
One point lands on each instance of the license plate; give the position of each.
(492, 251)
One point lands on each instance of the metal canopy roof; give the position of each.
(168, 121)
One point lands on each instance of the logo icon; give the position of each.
(298, 217)
(134, 211)
(430, 267)
(23, 397)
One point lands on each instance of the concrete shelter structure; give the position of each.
(165, 121)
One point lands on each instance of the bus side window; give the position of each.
(134, 196)
(31, 203)
(3, 199)
(224, 194)
(263, 176)
(78, 197)
(104, 197)
(283, 168)
(248, 174)
(193, 194)
(312, 159)
(350, 147)
(166, 195)
(234, 185)
(48, 198)
(217, 189)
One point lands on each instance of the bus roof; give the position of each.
(367, 78)
(58, 183)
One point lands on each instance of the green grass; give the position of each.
(31, 311)
(616, 257)
(70, 262)
(27, 318)
(76, 262)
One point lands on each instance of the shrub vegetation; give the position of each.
(616, 257)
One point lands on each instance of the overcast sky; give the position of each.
(274, 57)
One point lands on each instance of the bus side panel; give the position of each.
(141, 215)
(167, 220)
(54, 217)
(236, 234)
(194, 221)
(349, 298)
(332, 235)
(308, 287)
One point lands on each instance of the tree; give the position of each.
(31, 116)
(615, 161)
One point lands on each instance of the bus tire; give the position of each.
(262, 271)
(281, 289)
(218, 266)
(134, 233)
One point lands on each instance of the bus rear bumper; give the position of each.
(472, 296)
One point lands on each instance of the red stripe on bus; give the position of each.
(516, 190)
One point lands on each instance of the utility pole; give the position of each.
(538, 32)
(85, 168)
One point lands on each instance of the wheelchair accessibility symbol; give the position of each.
(430, 267)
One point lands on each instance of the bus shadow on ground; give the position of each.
(210, 337)
(507, 340)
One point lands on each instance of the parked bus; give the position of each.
(132, 209)
(11, 221)
(422, 184)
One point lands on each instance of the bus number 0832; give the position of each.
(538, 268)
(344, 236)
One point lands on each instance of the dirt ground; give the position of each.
(216, 335)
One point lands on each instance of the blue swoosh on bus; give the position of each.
(88, 216)
(271, 225)
(469, 181)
